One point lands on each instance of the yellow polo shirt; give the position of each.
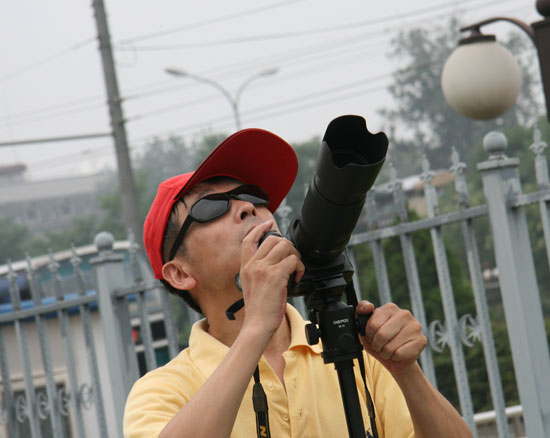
(311, 406)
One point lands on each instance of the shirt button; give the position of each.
(285, 418)
(271, 386)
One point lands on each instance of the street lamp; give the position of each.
(233, 100)
(481, 79)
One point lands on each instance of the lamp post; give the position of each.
(233, 100)
(481, 79)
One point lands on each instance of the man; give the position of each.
(202, 236)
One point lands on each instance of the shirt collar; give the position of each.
(207, 352)
(298, 331)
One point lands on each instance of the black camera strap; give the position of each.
(351, 298)
(234, 308)
(259, 401)
(370, 404)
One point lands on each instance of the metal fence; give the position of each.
(78, 328)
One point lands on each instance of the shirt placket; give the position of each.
(277, 401)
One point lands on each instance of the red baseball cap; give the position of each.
(253, 156)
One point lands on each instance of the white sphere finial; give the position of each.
(104, 241)
(495, 143)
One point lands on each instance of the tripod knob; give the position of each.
(312, 334)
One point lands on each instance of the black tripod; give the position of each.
(334, 322)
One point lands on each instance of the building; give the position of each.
(46, 205)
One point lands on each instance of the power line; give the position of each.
(207, 22)
(311, 53)
(285, 107)
(301, 56)
(54, 114)
(55, 139)
(50, 108)
(343, 92)
(298, 56)
(64, 160)
(43, 61)
(310, 50)
(322, 101)
(300, 101)
(342, 27)
(296, 100)
(72, 107)
(69, 107)
(25, 118)
(95, 102)
(214, 96)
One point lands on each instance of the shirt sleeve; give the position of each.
(153, 401)
(393, 419)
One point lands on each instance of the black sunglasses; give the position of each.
(216, 205)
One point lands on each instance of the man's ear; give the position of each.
(177, 274)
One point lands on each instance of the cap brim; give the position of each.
(253, 156)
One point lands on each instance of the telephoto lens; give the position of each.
(349, 161)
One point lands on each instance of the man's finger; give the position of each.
(410, 350)
(385, 334)
(251, 240)
(365, 306)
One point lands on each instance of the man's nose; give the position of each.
(244, 209)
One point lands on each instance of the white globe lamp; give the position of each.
(481, 79)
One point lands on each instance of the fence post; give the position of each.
(115, 324)
(518, 285)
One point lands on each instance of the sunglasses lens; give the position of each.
(217, 204)
(207, 209)
(251, 194)
(256, 200)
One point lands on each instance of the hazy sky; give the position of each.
(331, 57)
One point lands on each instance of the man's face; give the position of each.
(214, 248)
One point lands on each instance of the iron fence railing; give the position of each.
(77, 328)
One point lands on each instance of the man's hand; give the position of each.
(393, 336)
(265, 272)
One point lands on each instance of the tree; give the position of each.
(421, 120)
(82, 232)
(307, 158)
(13, 240)
(161, 159)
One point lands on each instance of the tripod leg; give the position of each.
(350, 397)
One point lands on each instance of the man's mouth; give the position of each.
(249, 230)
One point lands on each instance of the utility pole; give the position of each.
(128, 192)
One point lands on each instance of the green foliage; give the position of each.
(203, 145)
(13, 240)
(82, 232)
(307, 158)
(163, 159)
